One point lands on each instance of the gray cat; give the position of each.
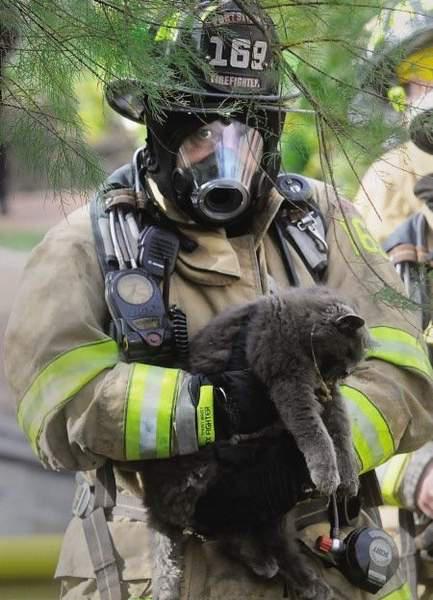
(300, 344)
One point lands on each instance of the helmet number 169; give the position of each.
(242, 55)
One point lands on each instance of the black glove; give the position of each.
(241, 402)
(423, 189)
(260, 481)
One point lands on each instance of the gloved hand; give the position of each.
(423, 189)
(240, 402)
(260, 481)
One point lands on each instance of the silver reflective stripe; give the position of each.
(149, 412)
(185, 420)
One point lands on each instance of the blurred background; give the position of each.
(35, 504)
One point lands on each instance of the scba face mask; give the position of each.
(218, 171)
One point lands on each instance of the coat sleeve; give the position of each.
(390, 395)
(386, 194)
(401, 475)
(374, 202)
(78, 403)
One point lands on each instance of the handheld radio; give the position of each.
(143, 324)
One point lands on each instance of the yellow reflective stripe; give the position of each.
(205, 416)
(148, 421)
(61, 379)
(399, 348)
(136, 385)
(360, 443)
(403, 593)
(391, 479)
(168, 31)
(372, 438)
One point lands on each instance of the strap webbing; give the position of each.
(408, 549)
(101, 553)
(98, 536)
(105, 487)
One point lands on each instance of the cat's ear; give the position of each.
(349, 322)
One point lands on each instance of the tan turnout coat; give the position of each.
(385, 197)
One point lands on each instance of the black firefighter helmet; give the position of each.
(214, 152)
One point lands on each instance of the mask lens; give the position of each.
(221, 160)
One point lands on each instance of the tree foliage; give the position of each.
(55, 43)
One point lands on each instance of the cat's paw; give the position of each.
(348, 487)
(348, 470)
(266, 569)
(325, 478)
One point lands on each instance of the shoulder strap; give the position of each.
(101, 234)
(114, 211)
(409, 253)
(407, 243)
(301, 225)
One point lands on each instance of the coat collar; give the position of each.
(215, 260)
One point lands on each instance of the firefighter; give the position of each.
(395, 200)
(400, 74)
(93, 345)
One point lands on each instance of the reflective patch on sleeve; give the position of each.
(360, 237)
(371, 436)
(399, 348)
(149, 412)
(205, 416)
(60, 380)
(390, 475)
(185, 419)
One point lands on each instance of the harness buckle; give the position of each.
(83, 502)
(308, 224)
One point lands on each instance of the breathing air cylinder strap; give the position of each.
(301, 227)
(97, 534)
(408, 549)
(93, 504)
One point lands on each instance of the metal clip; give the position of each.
(308, 224)
(82, 504)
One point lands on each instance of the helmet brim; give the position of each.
(128, 98)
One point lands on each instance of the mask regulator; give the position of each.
(367, 557)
